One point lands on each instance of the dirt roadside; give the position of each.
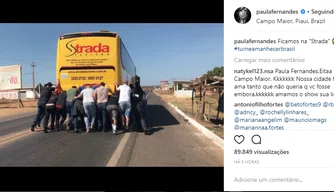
(185, 105)
(10, 108)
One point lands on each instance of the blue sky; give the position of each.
(159, 51)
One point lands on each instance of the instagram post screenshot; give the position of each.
(113, 98)
(280, 95)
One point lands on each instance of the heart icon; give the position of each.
(239, 138)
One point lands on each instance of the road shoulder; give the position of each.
(174, 142)
(17, 115)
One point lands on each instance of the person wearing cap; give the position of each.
(124, 102)
(43, 99)
(101, 98)
(43, 112)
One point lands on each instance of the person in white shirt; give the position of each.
(89, 106)
(124, 102)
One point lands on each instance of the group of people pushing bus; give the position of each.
(90, 108)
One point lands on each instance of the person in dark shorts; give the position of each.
(61, 110)
(113, 110)
(43, 99)
(124, 103)
(50, 110)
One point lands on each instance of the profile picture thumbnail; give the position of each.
(242, 15)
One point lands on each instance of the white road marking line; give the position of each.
(117, 154)
(4, 139)
(10, 137)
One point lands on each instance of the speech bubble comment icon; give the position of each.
(239, 138)
(256, 139)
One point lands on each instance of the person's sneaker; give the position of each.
(114, 129)
(147, 131)
(32, 128)
(128, 129)
(39, 125)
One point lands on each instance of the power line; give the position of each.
(33, 78)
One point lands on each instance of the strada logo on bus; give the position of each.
(79, 48)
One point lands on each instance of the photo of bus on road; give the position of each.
(59, 106)
(93, 57)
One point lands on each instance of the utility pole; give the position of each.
(33, 79)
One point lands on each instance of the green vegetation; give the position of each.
(217, 71)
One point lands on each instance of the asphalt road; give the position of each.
(15, 125)
(170, 142)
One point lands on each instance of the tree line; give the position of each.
(217, 71)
